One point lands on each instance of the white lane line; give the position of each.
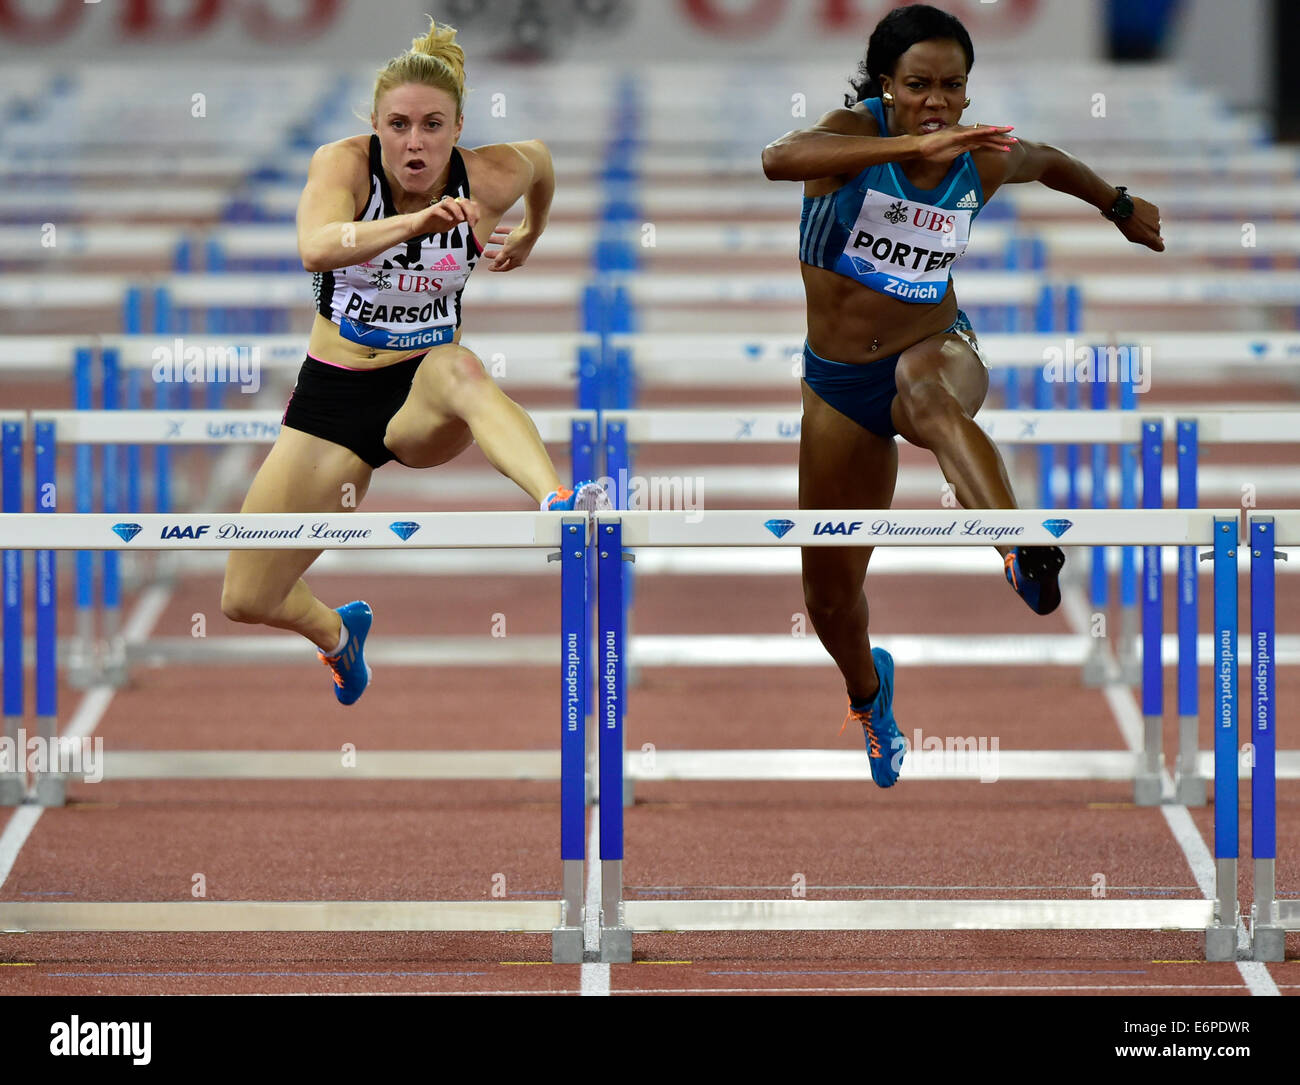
(595, 974)
(921, 989)
(15, 834)
(94, 703)
(1259, 979)
(1128, 718)
(84, 720)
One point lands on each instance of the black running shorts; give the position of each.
(351, 407)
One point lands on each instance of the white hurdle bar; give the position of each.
(565, 533)
(1218, 918)
(775, 361)
(198, 427)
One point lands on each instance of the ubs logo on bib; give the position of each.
(896, 213)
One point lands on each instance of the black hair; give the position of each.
(894, 35)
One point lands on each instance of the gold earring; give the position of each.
(966, 104)
(887, 98)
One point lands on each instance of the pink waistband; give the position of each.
(349, 368)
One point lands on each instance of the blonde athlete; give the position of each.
(392, 224)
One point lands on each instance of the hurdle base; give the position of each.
(1096, 670)
(114, 666)
(1268, 943)
(13, 788)
(616, 944)
(1147, 789)
(1221, 943)
(566, 945)
(51, 789)
(1190, 790)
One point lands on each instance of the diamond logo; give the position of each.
(127, 532)
(861, 266)
(404, 529)
(779, 528)
(1058, 527)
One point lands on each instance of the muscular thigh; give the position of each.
(841, 466)
(428, 428)
(304, 474)
(948, 362)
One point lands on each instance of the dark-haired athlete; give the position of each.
(891, 185)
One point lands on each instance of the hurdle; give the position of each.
(562, 534)
(1218, 918)
(232, 427)
(1185, 649)
(1270, 918)
(169, 429)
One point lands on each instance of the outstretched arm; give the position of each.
(845, 142)
(1065, 173)
(534, 179)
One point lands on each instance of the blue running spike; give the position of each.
(886, 747)
(351, 674)
(585, 497)
(1034, 572)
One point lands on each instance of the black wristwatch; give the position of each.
(1122, 208)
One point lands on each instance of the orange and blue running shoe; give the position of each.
(1034, 572)
(585, 497)
(885, 746)
(349, 668)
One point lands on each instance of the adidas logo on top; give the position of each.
(448, 263)
(970, 200)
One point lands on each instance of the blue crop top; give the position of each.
(889, 235)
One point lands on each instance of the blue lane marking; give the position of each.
(240, 975)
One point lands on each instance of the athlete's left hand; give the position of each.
(515, 245)
(1143, 226)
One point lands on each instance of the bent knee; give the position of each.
(826, 606)
(457, 382)
(929, 404)
(243, 606)
(463, 369)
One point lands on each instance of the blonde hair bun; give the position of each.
(434, 60)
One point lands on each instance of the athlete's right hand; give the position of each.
(445, 214)
(947, 143)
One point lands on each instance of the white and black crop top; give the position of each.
(408, 296)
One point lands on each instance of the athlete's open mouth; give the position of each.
(932, 124)
(415, 165)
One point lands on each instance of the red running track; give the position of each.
(435, 840)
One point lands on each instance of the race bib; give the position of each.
(903, 248)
